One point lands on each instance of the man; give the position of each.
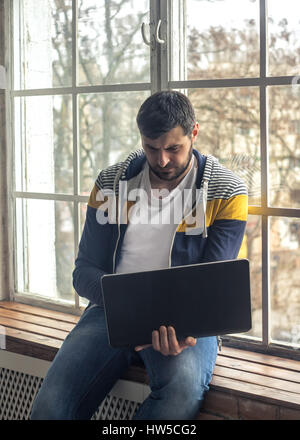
(210, 227)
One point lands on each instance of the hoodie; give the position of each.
(213, 231)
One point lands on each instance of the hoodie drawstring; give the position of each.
(204, 202)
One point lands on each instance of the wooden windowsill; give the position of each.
(239, 376)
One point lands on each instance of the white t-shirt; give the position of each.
(152, 224)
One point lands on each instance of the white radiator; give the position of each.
(22, 376)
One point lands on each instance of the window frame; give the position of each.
(159, 80)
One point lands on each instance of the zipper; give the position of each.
(115, 251)
(117, 179)
(171, 247)
(173, 238)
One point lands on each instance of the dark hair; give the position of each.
(163, 111)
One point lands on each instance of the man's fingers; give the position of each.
(173, 343)
(155, 340)
(164, 341)
(189, 341)
(141, 347)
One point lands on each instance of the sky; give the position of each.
(202, 13)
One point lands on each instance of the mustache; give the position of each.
(165, 168)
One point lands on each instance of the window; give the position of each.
(81, 69)
(80, 72)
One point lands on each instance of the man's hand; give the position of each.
(165, 341)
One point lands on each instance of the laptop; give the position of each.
(197, 300)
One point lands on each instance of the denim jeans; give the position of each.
(86, 368)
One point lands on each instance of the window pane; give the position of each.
(222, 39)
(229, 130)
(284, 146)
(108, 131)
(83, 209)
(284, 37)
(111, 49)
(251, 249)
(45, 248)
(285, 280)
(43, 144)
(254, 254)
(83, 302)
(42, 44)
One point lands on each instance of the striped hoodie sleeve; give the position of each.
(227, 210)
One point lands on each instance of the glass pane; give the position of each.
(254, 255)
(83, 209)
(108, 131)
(222, 39)
(42, 44)
(284, 37)
(44, 144)
(229, 130)
(284, 146)
(251, 249)
(45, 248)
(285, 280)
(83, 302)
(111, 48)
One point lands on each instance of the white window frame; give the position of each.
(159, 74)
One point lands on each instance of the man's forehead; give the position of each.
(173, 137)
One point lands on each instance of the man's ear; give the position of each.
(195, 131)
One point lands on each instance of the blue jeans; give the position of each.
(86, 368)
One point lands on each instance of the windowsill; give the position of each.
(245, 384)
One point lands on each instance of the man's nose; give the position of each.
(163, 159)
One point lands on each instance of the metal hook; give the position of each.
(146, 41)
(158, 39)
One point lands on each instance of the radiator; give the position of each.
(17, 392)
(18, 388)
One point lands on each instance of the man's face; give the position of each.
(169, 155)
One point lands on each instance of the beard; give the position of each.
(178, 171)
